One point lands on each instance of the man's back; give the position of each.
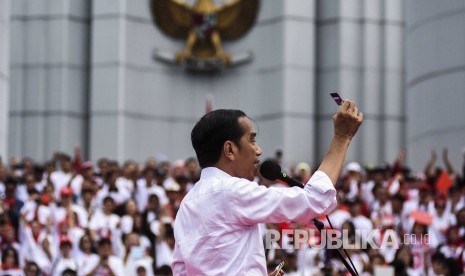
(208, 235)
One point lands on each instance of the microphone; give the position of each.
(272, 171)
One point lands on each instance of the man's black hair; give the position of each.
(398, 197)
(69, 272)
(65, 157)
(104, 241)
(108, 198)
(11, 180)
(212, 130)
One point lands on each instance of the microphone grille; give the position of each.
(270, 170)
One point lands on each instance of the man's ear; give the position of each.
(229, 150)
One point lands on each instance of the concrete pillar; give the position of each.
(4, 76)
(435, 80)
(49, 63)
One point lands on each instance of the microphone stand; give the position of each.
(319, 225)
(352, 270)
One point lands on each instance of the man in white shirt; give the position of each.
(62, 178)
(106, 264)
(217, 226)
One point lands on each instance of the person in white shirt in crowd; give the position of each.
(103, 167)
(424, 202)
(32, 269)
(8, 239)
(381, 207)
(104, 222)
(62, 177)
(398, 213)
(106, 263)
(65, 261)
(127, 220)
(10, 262)
(119, 195)
(86, 176)
(88, 202)
(35, 245)
(359, 258)
(177, 169)
(193, 171)
(453, 246)
(230, 207)
(150, 221)
(68, 208)
(36, 207)
(353, 178)
(173, 192)
(151, 164)
(456, 200)
(358, 219)
(84, 254)
(442, 218)
(375, 177)
(29, 185)
(135, 255)
(165, 246)
(146, 186)
(163, 169)
(70, 227)
(340, 214)
(128, 181)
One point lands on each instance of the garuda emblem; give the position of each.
(204, 26)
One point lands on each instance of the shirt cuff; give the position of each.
(321, 181)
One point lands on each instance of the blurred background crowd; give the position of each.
(73, 217)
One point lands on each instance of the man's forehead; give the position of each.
(247, 125)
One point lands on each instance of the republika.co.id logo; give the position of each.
(334, 239)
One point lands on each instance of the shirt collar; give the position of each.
(210, 172)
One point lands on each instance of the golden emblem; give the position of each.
(205, 25)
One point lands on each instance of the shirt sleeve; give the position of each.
(178, 266)
(252, 203)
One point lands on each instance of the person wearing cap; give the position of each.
(173, 193)
(217, 226)
(303, 172)
(65, 260)
(68, 208)
(353, 178)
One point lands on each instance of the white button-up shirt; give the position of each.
(217, 226)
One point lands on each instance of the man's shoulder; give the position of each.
(230, 184)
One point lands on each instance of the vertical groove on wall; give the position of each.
(382, 86)
(87, 87)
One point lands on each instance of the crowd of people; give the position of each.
(69, 217)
